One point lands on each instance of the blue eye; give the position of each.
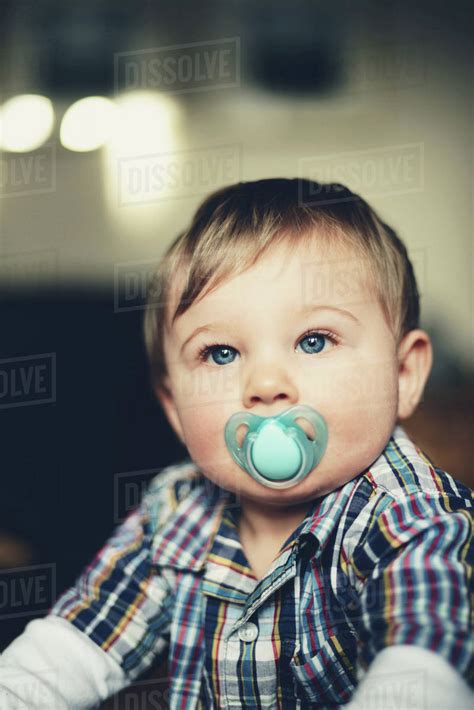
(315, 342)
(224, 354)
(216, 349)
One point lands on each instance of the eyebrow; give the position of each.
(305, 310)
(312, 308)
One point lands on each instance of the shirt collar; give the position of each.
(186, 539)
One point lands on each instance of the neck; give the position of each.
(268, 521)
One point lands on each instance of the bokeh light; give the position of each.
(27, 122)
(88, 123)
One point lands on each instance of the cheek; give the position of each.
(204, 387)
(361, 408)
(359, 403)
(206, 398)
(361, 389)
(203, 428)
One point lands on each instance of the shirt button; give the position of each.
(248, 632)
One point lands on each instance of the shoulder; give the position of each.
(402, 493)
(168, 488)
(404, 472)
(176, 481)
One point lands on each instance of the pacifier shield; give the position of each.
(276, 451)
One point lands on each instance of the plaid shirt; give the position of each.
(385, 559)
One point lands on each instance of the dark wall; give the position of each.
(61, 461)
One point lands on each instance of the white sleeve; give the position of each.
(54, 665)
(412, 678)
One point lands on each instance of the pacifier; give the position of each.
(276, 451)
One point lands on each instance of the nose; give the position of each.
(267, 385)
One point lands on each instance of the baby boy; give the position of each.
(345, 582)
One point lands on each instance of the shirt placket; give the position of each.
(239, 624)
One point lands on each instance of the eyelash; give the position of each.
(206, 349)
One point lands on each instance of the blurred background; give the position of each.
(116, 119)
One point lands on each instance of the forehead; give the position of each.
(311, 272)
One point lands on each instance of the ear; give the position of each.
(415, 358)
(165, 396)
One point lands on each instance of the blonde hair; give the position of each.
(235, 225)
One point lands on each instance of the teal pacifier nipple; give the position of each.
(276, 451)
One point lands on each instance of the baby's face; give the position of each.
(266, 351)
